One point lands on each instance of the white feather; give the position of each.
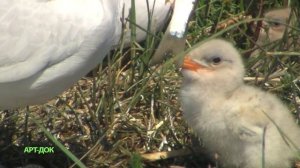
(47, 45)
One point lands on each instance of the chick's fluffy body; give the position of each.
(234, 119)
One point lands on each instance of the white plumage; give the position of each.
(47, 45)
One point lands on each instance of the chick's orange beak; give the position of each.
(189, 64)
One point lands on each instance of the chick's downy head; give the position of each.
(275, 24)
(216, 64)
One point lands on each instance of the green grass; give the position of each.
(125, 108)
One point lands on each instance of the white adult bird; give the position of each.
(241, 123)
(47, 45)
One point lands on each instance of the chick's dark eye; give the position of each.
(216, 60)
(275, 24)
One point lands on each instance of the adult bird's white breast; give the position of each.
(47, 45)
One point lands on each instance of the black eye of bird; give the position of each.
(216, 60)
(275, 24)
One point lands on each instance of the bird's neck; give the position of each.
(211, 90)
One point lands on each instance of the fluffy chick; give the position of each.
(275, 25)
(241, 123)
